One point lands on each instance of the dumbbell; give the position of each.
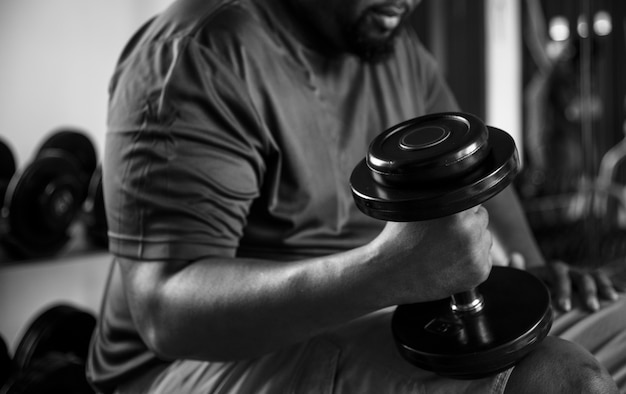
(94, 211)
(51, 354)
(42, 200)
(7, 170)
(7, 167)
(59, 328)
(6, 365)
(438, 165)
(75, 146)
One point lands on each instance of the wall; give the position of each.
(504, 68)
(57, 58)
(28, 289)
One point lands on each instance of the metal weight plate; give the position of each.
(437, 198)
(6, 365)
(40, 204)
(78, 147)
(7, 166)
(75, 143)
(95, 215)
(428, 148)
(517, 315)
(7, 161)
(51, 374)
(62, 329)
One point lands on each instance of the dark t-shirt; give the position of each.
(228, 137)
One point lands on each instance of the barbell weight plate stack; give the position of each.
(434, 166)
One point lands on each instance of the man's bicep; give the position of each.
(175, 198)
(184, 157)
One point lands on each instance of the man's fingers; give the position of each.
(606, 289)
(591, 285)
(588, 290)
(563, 285)
(516, 260)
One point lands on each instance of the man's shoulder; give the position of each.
(209, 22)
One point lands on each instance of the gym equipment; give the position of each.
(52, 374)
(76, 146)
(6, 365)
(94, 212)
(433, 166)
(40, 204)
(51, 355)
(60, 328)
(7, 167)
(7, 170)
(43, 200)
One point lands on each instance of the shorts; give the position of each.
(360, 357)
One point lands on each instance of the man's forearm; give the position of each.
(223, 309)
(231, 308)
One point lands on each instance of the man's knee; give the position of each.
(559, 366)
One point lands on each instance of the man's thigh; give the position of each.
(359, 357)
(602, 333)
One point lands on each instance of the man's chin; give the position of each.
(370, 44)
(373, 53)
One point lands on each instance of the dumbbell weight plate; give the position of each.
(7, 161)
(53, 373)
(77, 146)
(434, 199)
(438, 146)
(95, 215)
(75, 143)
(62, 329)
(40, 204)
(5, 362)
(7, 167)
(516, 317)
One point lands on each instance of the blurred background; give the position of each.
(550, 72)
(57, 58)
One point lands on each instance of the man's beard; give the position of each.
(368, 48)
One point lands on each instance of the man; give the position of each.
(242, 263)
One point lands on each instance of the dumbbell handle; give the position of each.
(470, 301)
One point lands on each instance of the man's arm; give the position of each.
(231, 308)
(509, 224)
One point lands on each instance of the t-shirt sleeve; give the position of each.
(183, 154)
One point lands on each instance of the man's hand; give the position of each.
(432, 259)
(592, 285)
